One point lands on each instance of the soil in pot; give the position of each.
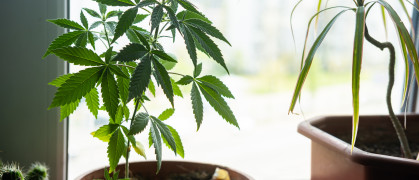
(380, 139)
(195, 175)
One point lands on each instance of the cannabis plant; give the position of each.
(129, 76)
(361, 11)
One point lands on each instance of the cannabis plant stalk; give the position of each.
(361, 11)
(132, 73)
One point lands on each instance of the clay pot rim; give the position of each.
(169, 161)
(308, 128)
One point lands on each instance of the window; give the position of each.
(264, 65)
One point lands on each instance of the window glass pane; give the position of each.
(264, 64)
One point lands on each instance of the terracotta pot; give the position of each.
(331, 157)
(148, 169)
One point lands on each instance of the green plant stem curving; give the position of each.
(396, 123)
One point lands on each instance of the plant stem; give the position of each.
(128, 148)
(395, 121)
(106, 33)
(176, 73)
(124, 65)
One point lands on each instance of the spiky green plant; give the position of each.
(11, 172)
(130, 75)
(37, 171)
(361, 10)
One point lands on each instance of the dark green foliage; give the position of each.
(139, 123)
(140, 78)
(127, 74)
(197, 107)
(125, 22)
(164, 79)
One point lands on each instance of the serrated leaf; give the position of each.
(139, 123)
(172, 16)
(176, 89)
(78, 56)
(218, 103)
(185, 80)
(152, 88)
(163, 55)
(166, 114)
(156, 17)
(82, 40)
(66, 23)
(131, 52)
(92, 13)
(119, 115)
(116, 148)
(102, 8)
(146, 3)
(117, 70)
(150, 139)
(63, 40)
(197, 71)
(123, 85)
(105, 132)
(91, 39)
(174, 5)
(189, 6)
(95, 25)
(207, 28)
(132, 37)
(140, 78)
(156, 140)
(110, 93)
(126, 112)
(115, 2)
(108, 55)
(214, 83)
(125, 22)
(190, 44)
(197, 106)
(76, 86)
(164, 80)
(92, 101)
(142, 39)
(110, 26)
(165, 131)
(113, 14)
(84, 20)
(209, 46)
(185, 15)
(178, 141)
(57, 82)
(139, 18)
(68, 109)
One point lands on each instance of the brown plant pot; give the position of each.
(148, 170)
(331, 157)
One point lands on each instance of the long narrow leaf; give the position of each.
(405, 36)
(309, 60)
(356, 69)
